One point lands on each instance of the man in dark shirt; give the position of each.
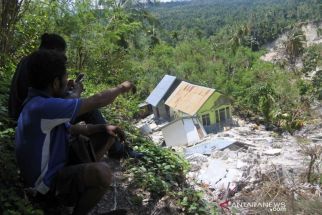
(20, 81)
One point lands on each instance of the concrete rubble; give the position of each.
(248, 145)
(151, 128)
(250, 154)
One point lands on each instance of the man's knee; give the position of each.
(98, 175)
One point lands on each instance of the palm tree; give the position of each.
(239, 37)
(294, 45)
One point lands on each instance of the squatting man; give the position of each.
(51, 163)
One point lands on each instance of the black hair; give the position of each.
(52, 41)
(44, 66)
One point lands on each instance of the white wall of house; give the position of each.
(182, 132)
(174, 134)
(191, 131)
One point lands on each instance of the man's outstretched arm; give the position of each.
(104, 98)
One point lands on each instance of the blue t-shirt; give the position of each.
(42, 138)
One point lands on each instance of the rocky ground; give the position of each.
(269, 156)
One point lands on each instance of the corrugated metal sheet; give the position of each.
(208, 146)
(160, 90)
(189, 98)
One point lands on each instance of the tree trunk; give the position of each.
(9, 15)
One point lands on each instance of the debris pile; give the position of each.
(151, 128)
(243, 161)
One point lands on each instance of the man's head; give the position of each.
(52, 41)
(47, 71)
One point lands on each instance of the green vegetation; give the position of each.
(193, 204)
(253, 23)
(11, 189)
(217, 44)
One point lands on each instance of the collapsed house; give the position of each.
(211, 107)
(191, 110)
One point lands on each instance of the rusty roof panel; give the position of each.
(189, 98)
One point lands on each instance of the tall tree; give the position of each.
(10, 13)
(294, 45)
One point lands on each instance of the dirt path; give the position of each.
(124, 196)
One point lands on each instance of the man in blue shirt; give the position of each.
(42, 135)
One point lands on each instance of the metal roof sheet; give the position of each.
(189, 98)
(143, 104)
(208, 146)
(160, 90)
